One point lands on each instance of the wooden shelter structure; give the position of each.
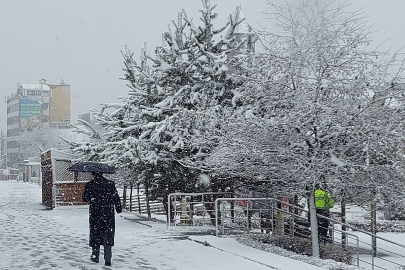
(61, 187)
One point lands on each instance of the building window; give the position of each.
(12, 120)
(13, 108)
(13, 144)
(46, 93)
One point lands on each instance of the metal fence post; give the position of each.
(272, 218)
(248, 220)
(292, 224)
(203, 205)
(216, 216)
(168, 211)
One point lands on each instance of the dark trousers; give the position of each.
(107, 252)
(323, 225)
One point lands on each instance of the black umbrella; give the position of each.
(88, 166)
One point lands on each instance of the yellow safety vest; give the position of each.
(323, 200)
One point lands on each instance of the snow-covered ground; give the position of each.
(388, 253)
(34, 238)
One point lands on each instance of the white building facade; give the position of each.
(27, 112)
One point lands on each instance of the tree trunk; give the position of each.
(279, 221)
(130, 198)
(374, 226)
(314, 226)
(124, 198)
(343, 219)
(147, 201)
(191, 213)
(293, 216)
(139, 199)
(232, 209)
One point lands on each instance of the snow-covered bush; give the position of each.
(395, 226)
(303, 246)
(330, 264)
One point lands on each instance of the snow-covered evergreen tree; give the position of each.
(177, 99)
(88, 144)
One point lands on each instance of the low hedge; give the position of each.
(382, 225)
(303, 246)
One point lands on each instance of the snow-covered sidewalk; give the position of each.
(35, 238)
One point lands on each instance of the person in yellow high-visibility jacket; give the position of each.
(323, 204)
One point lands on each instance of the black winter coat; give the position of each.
(102, 196)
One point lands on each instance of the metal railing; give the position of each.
(227, 213)
(193, 208)
(291, 219)
(354, 241)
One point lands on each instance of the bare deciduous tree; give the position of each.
(318, 102)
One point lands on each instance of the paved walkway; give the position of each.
(32, 237)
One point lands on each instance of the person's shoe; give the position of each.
(107, 263)
(94, 258)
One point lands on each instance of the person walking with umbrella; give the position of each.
(102, 196)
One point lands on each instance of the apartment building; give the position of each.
(32, 109)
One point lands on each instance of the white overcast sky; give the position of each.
(80, 41)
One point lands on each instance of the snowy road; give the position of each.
(34, 238)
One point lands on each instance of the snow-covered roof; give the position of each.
(33, 163)
(58, 154)
(37, 86)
